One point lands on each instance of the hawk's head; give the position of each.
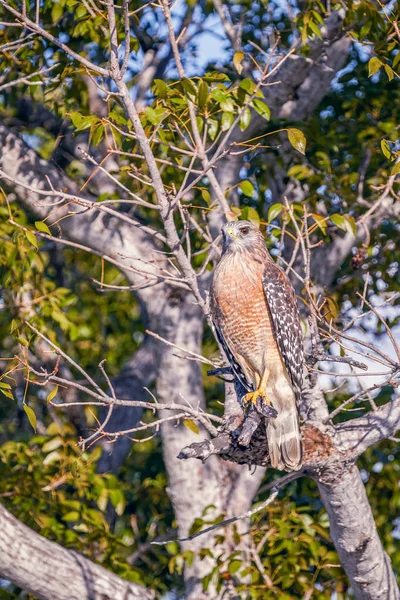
(241, 235)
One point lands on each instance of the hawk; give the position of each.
(256, 318)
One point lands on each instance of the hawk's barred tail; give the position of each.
(284, 441)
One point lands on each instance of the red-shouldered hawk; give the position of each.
(256, 318)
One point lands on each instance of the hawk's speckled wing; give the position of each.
(284, 311)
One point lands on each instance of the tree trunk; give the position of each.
(354, 534)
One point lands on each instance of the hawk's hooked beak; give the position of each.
(231, 233)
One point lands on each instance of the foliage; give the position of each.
(352, 140)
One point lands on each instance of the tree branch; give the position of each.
(50, 572)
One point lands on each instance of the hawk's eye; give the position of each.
(245, 230)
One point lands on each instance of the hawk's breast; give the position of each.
(241, 313)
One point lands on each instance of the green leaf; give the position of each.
(73, 515)
(234, 566)
(250, 214)
(30, 413)
(205, 194)
(160, 89)
(189, 424)
(52, 394)
(396, 60)
(297, 139)
(80, 12)
(30, 236)
(212, 128)
(227, 105)
(247, 187)
(299, 172)
(219, 95)
(82, 121)
(386, 149)
(395, 169)
(203, 94)
(226, 121)
(315, 29)
(23, 342)
(247, 85)
(41, 226)
(189, 87)
(7, 392)
(237, 61)
(374, 65)
(97, 133)
(245, 119)
(274, 211)
(56, 11)
(262, 109)
(339, 221)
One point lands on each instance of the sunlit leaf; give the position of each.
(297, 139)
(247, 187)
(374, 65)
(274, 211)
(386, 149)
(30, 236)
(52, 394)
(237, 61)
(189, 424)
(41, 226)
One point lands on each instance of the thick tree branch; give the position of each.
(50, 572)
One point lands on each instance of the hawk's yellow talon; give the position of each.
(253, 396)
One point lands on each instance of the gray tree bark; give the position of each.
(354, 534)
(51, 572)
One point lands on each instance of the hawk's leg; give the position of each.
(260, 399)
(260, 392)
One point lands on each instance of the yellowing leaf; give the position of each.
(237, 61)
(41, 226)
(52, 394)
(374, 65)
(189, 424)
(297, 139)
(396, 169)
(389, 72)
(386, 149)
(30, 413)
